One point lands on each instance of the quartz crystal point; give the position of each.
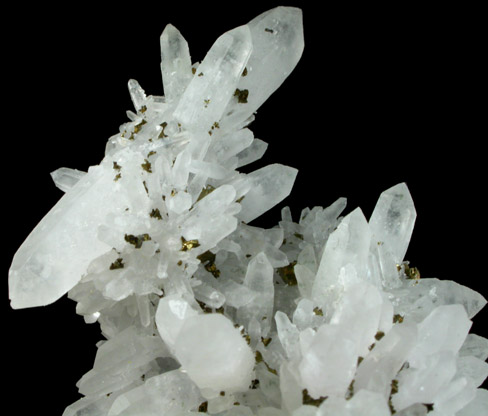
(223, 360)
(277, 37)
(206, 97)
(204, 313)
(65, 178)
(269, 185)
(392, 224)
(344, 259)
(175, 63)
(57, 253)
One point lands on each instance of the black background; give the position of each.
(381, 95)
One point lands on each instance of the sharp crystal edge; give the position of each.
(204, 313)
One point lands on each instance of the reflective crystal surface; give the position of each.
(201, 311)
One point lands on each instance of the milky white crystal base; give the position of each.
(202, 312)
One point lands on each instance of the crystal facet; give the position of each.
(204, 313)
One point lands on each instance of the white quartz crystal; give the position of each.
(204, 313)
(392, 224)
(214, 354)
(172, 391)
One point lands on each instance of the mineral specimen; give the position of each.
(202, 312)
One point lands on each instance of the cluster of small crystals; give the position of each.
(205, 314)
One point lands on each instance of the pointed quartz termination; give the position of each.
(220, 345)
(56, 254)
(392, 224)
(270, 185)
(171, 315)
(445, 329)
(137, 94)
(277, 37)
(344, 258)
(259, 280)
(204, 100)
(425, 295)
(51, 261)
(254, 152)
(120, 361)
(214, 354)
(175, 63)
(66, 178)
(288, 334)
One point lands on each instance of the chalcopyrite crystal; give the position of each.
(202, 312)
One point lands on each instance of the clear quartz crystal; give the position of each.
(392, 224)
(204, 313)
(175, 63)
(204, 100)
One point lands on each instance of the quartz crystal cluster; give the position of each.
(203, 313)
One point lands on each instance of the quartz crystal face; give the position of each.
(203, 312)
